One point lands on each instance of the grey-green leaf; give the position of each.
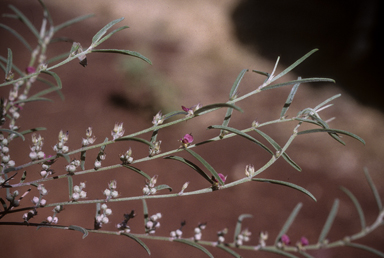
(104, 30)
(206, 164)
(374, 189)
(12, 132)
(161, 187)
(228, 250)
(194, 244)
(292, 66)
(294, 186)
(70, 187)
(23, 177)
(236, 84)
(72, 21)
(289, 99)
(332, 131)
(138, 241)
(26, 21)
(140, 172)
(17, 35)
(357, 205)
(328, 223)
(54, 75)
(239, 224)
(124, 52)
(289, 222)
(80, 229)
(306, 80)
(192, 165)
(242, 134)
(215, 106)
(8, 69)
(127, 138)
(110, 34)
(365, 248)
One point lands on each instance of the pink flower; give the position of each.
(285, 239)
(30, 69)
(222, 177)
(304, 241)
(191, 111)
(187, 139)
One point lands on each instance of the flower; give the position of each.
(191, 111)
(158, 119)
(30, 69)
(285, 239)
(304, 241)
(118, 131)
(186, 140)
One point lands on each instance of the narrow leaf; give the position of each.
(278, 251)
(70, 22)
(161, 187)
(306, 80)
(357, 205)
(36, 129)
(26, 21)
(8, 69)
(66, 156)
(59, 57)
(329, 130)
(17, 35)
(23, 177)
(365, 248)
(32, 100)
(110, 34)
(236, 84)
(278, 148)
(192, 165)
(328, 223)
(310, 121)
(292, 66)
(327, 101)
(194, 244)
(174, 113)
(54, 75)
(374, 189)
(12, 132)
(294, 186)
(127, 138)
(80, 229)
(145, 212)
(229, 250)
(3, 203)
(70, 187)
(101, 32)
(83, 154)
(52, 88)
(289, 99)
(227, 117)
(242, 134)
(215, 106)
(140, 172)
(289, 222)
(138, 241)
(206, 164)
(124, 52)
(239, 224)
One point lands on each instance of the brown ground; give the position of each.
(196, 58)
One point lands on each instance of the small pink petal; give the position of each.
(185, 108)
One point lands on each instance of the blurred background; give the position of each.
(198, 48)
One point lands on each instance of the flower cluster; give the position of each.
(78, 192)
(191, 111)
(149, 187)
(176, 234)
(126, 157)
(36, 150)
(111, 191)
(45, 168)
(102, 216)
(249, 171)
(198, 230)
(118, 131)
(155, 150)
(90, 139)
(5, 157)
(152, 224)
(53, 219)
(60, 146)
(158, 119)
(243, 237)
(220, 236)
(124, 224)
(72, 166)
(39, 201)
(100, 157)
(263, 237)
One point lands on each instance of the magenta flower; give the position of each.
(187, 139)
(222, 177)
(185, 108)
(285, 239)
(30, 69)
(191, 110)
(304, 241)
